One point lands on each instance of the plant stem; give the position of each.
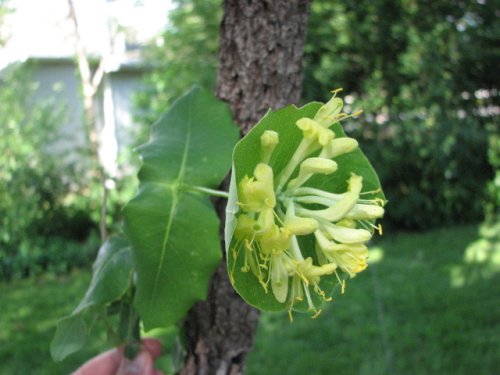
(212, 192)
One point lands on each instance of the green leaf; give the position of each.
(70, 336)
(112, 276)
(247, 155)
(173, 228)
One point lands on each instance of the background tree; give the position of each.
(260, 67)
(4, 10)
(90, 82)
(187, 54)
(424, 73)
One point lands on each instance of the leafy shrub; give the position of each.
(187, 56)
(493, 205)
(432, 176)
(429, 94)
(35, 182)
(56, 255)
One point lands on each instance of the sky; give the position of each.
(42, 28)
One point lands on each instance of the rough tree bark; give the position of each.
(260, 67)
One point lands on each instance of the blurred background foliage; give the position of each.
(425, 73)
(39, 229)
(185, 54)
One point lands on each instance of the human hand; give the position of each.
(113, 362)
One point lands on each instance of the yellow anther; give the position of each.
(357, 113)
(371, 192)
(341, 283)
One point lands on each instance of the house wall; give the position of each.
(59, 83)
(124, 85)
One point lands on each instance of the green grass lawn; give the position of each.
(428, 304)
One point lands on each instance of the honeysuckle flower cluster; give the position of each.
(275, 210)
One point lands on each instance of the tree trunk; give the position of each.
(90, 83)
(260, 67)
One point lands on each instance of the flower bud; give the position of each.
(300, 226)
(348, 235)
(318, 165)
(339, 146)
(310, 166)
(365, 211)
(268, 141)
(312, 130)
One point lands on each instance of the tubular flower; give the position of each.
(277, 213)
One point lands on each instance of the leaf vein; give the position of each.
(175, 200)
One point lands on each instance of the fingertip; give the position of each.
(105, 363)
(153, 346)
(142, 364)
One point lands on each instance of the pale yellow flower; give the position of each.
(275, 214)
